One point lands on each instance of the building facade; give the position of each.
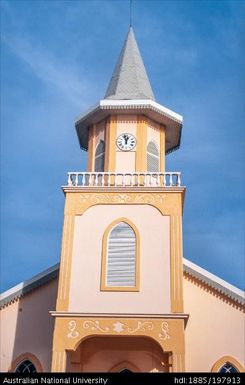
(123, 297)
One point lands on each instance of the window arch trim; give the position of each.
(227, 359)
(153, 155)
(124, 365)
(103, 286)
(23, 357)
(150, 142)
(99, 156)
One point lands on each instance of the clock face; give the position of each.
(126, 142)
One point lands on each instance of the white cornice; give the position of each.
(213, 281)
(142, 104)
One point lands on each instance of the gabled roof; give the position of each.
(213, 281)
(190, 268)
(129, 79)
(25, 287)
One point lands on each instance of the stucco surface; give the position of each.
(215, 329)
(153, 134)
(113, 354)
(125, 160)
(27, 327)
(154, 294)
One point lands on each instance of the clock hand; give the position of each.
(126, 138)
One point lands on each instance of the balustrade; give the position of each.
(117, 179)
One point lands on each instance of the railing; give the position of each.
(117, 179)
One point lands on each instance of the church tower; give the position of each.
(120, 301)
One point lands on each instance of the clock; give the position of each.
(126, 142)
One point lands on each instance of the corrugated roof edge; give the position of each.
(214, 282)
(25, 287)
(190, 268)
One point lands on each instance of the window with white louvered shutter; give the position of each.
(121, 257)
(153, 161)
(100, 157)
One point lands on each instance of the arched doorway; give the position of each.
(115, 354)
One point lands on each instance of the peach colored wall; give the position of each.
(27, 327)
(154, 294)
(153, 133)
(214, 329)
(126, 123)
(115, 353)
(125, 160)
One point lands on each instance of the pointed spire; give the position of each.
(129, 79)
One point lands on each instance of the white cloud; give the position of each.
(50, 70)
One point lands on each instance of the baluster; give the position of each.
(170, 179)
(175, 179)
(96, 179)
(158, 180)
(164, 179)
(145, 180)
(123, 179)
(103, 180)
(109, 179)
(179, 179)
(131, 179)
(76, 180)
(69, 182)
(151, 179)
(138, 179)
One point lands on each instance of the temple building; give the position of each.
(123, 298)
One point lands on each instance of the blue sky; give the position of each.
(57, 58)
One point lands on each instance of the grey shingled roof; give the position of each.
(129, 79)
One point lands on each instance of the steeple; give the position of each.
(129, 79)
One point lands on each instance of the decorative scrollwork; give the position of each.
(118, 327)
(84, 197)
(142, 326)
(94, 325)
(72, 326)
(165, 331)
(124, 198)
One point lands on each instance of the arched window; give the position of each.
(100, 157)
(120, 257)
(26, 366)
(153, 160)
(228, 368)
(125, 371)
(227, 364)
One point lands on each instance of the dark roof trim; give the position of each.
(25, 287)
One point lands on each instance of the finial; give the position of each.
(130, 22)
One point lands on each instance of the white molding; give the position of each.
(141, 104)
(119, 315)
(109, 104)
(213, 281)
(25, 287)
